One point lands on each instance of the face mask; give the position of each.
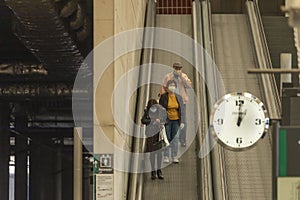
(153, 109)
(172, 88)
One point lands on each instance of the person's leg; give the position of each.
(159, 159)
(182, 136)
(172, 135)
(158, 164)
(152, 161)
(175, 135)
(168, 130)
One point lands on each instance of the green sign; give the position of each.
(282, 152)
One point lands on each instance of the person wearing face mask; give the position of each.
(183, 83)
(155, 117)
(173, 103)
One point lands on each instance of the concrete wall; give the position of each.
(112, 17)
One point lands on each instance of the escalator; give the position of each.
(248, 173)
(232, 42)
(238, 44)
(180, 180)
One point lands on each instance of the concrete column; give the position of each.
(77, 164)
(58, 170)
(86, 179)
(286, 63)
(47, 169)
(67, 173)
(35, 179)
(41, 169)
(4, 152)
(33, 169)
(21, 159)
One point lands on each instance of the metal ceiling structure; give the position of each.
(42, 46)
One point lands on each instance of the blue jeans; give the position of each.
(173, 131)
(182, 136)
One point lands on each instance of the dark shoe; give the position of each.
(153, 175)
(159, 174)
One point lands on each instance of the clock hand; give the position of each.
(243, 115)
(239, 120)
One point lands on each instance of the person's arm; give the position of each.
(182, 110)
(146, 119)
(161, 100)
(186, 81)
(163, 88)
(162, 114)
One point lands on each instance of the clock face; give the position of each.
(239, 120)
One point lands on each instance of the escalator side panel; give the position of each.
(248, 173)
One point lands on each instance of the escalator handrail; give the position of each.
(219, 171)
(269, 61)
(205, 190)
(270, 95)
(135, 180)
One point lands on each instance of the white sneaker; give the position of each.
(175, 160)
(166, 160)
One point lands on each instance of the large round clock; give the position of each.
(238, 120)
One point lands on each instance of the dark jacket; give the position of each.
(152, 127)
(164, 99)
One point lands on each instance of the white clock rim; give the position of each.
(221, 139)
(221, 100)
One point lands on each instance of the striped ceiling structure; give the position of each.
(174, 7)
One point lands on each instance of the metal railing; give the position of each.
(270, 94)
(204, 164)
(135, 185)
(218, 168)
